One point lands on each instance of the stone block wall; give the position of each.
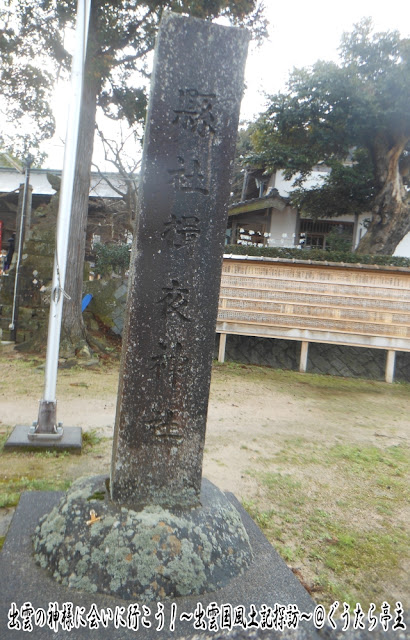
(34, 291)
(402, 367)
(327, 359)
(351, 362)
(280, 354)
(108, 302)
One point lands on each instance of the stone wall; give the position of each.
(108, 302)
(356, 362)
(34, 291)
(109, 296)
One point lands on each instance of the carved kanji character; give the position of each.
(175, 300)
(188, 177)
(194, 112)
(182, 231)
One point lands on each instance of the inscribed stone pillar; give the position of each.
(169, 335)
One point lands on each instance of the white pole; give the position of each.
(390, 365)
(47, 413)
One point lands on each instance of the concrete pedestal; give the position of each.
(267, 580)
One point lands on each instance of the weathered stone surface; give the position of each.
(176, 262)
(151, 554)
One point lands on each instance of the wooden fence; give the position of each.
(334, 303)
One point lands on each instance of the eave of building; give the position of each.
(10, 180)
(267, 202)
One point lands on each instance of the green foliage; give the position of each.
(347, 189)
(338, 241)
(91, 438)
(111, 257)
(320, 255)
(25, 88)
(121, 35)
(331, 108)
(11, 489)
(243, 149)
(362, 104)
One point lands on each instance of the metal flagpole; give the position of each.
(47, 426)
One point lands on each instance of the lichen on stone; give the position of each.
(153, 553)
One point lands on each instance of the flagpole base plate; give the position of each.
(24, 438)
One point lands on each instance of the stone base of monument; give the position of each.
(23, 439)
(266, 580)
(91, 543)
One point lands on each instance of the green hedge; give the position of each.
(319, 255)
(111, 257)
(116, 257)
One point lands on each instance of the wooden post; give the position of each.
(222, 346)
(390, 364)
(303, 356)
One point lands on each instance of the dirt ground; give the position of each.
(251, 409)
(260, 421)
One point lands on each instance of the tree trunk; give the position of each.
(73, 329)
(391, 211)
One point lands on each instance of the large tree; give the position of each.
(121, 36)
(25, 112)
(354, 117)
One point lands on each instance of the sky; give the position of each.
(300, 33)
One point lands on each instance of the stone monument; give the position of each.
(176, 263)
(154, 530)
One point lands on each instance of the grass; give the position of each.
(12, 488)
(92, 439)
(339, 514)
(24, 372)
(335, 384)
(48, 470)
